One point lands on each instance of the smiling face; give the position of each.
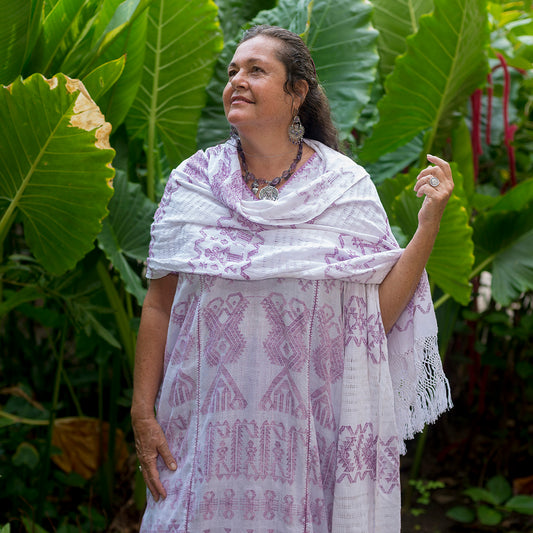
(255, 94)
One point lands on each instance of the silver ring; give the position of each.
(434, 181)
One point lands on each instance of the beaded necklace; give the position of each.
(269, 192)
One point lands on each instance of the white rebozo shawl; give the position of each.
(326, 224)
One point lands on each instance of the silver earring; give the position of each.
(296, 130)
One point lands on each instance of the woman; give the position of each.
(287, 343)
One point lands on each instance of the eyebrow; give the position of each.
(249, 60)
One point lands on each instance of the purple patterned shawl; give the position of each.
(328, 223)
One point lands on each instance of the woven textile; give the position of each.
(283, 400)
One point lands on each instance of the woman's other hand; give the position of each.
(437, 197)
(150, 442)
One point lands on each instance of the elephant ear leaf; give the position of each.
(55, 167)
(182, 42)
(504, 234)
(395, 20)
(444, 63)
(15, 18)
(126, 231)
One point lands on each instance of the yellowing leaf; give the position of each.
(84, 445)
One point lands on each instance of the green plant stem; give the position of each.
(415, 469)
(43, 482)
(121, 316)
(151, 149)
(77, 404)
(21, 420)
(475, 272)
(5, 225)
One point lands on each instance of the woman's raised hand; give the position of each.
(436, 197)
(150, 442)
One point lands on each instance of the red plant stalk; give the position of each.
(490, 92)
(509, 130)
(475, 102)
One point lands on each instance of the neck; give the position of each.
(267, 155)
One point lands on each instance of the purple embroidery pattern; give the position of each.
(339, 264)
(285, 346)
(229, 250)
(363, 454)
(225, 341)
(328, 361)
(248, 450)
(362, 329)
(195, 167)
(225, 344)
(267, 506)
(182, 318)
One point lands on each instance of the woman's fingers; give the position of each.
(436, 180)
(150, 442)
(435, 183)
(166, 455)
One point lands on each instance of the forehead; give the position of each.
(258, 48)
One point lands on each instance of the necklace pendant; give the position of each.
(268, 193)
(255, 187)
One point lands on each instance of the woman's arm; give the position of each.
(150, 440)
(398, 287)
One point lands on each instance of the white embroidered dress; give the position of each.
(283, 400)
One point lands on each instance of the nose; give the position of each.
(238, 80)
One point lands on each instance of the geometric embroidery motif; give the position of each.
(265, 507)
(224, 394)
(283, 396)
(224, 345)
(364, 330)
(356, 457)
(286, 343)
(285, 346)
(247, 450)
(225, 342)
(362, 454)
(328, 358)
(322, 408)
(183, 389)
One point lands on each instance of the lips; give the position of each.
(240, 99)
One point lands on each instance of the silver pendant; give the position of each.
(268, 193)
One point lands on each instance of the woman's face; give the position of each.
(254, 94)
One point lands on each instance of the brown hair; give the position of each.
(314, 112)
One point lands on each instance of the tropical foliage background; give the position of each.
(99, 99)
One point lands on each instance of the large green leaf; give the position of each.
(445, 61)
(102, 78)
(126, 231)
(504, 233)
(395, 20)
(15, 20)
(131, 42)
(506, 221)
(394, 162)
(343, 45)
(55, 167)
(111, 21)
(63, 28)
(183, 40)
(234, 14)
(451, 260)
